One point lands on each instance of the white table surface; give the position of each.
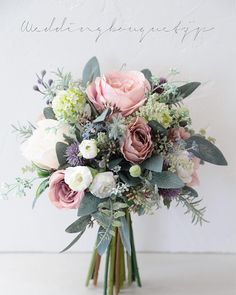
(162, 274)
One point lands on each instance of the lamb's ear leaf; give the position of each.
(48, 113)
(79, 225)
(205, 150)
(61, 151)
(125, 234)
(103, 240)
(73, 242)
(91, 71)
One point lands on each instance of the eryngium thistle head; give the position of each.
(72, 155)
(169, 193)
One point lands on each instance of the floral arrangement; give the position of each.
(111, 145)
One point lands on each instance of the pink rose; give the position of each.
(195, 179)
(175, 134)
(123, 90)
(60, 193)
(137, 144)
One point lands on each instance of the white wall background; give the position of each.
(210, 59)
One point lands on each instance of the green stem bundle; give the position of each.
(117, 268)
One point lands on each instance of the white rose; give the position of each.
(88, 148)
(184, 167)
(78, 178)
(40, 148)
(102, 184)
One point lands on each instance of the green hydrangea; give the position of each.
(67, 105)
(155, 110)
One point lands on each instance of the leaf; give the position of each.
(157, 127)
(42, 172)
(89, 204)
(148, 75)
(205, 150)
(186, 190)
(125, 234)
(41, 188)
(103, 240)
(128, 179)
(73, 242)
(61, 150)
(48, 113)
(79, 225)
(91, 71)
(102, 116)
(119, 205)
(186, 89)
(114, 163)
(102, 219)
(166, 179)
(154, 163)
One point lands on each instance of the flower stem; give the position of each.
(133, 251)
(96, 269)
(118, 263)
(91, 267)
(112, 265)
(106, 269)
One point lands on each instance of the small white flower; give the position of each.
(103, 184)
(88, 148)
(78, 178)
(184, 167)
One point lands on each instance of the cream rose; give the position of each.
(103, 184)
(40, 148)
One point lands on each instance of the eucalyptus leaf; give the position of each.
(48, 113)
(125, 234)
(61, 150)
(157, 127)
(128, 179)
(148, 75)
(42, 187)
(154, 163)
(79, 225)
(73, 242)
(113, 163)
(166, 179)
(103, 240)
(187, 89)
(89, 204)
(205, 150)
(102, 116)
(91, 71)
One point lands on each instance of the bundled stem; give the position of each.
(115, 264)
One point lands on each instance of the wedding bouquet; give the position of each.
(111, 145)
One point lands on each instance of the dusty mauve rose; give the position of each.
(125, 90)
(60, 193)
(137, 144)
(175, 134)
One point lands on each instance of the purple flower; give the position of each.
(72, 155)
(169, 193)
